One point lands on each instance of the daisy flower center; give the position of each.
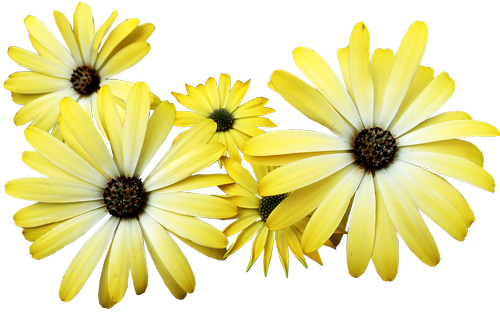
(374, 148)
(223, 118)
(85, 80)
(124, 197)
(269, 203)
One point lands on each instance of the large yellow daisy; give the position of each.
(382, 156)
(78, 73)
(86, 183)
(236, 123)
(253, 212)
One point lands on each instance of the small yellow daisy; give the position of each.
(78, 73)
(379, 166)
(236, 123)
(253, 212)
(87, 183)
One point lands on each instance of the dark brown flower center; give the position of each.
(124, 197)
(85, 80)
(374, 148)
(269, 203)
(223, 118)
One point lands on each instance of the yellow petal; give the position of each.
(433, 97)
(224, 87)
(407, 220)
(258, 245)
(187, 119)
(189, 227)
(241, 224)
(244, 237)
(196, 182)
(99, 36)
(302, 173)
(361, 227)
(137, 257)
(86, 260)
(69, 37)
(449, 130)
(294, 245)
(282, 246)
(452, 166)
(240, 174)
(124, 59)
(380, 67)
(168, 253)
(65, 233)
(343, 57)
(385, 254)
(330, 212)
(118, 268)
(279, 160)
(268, 250)
(440, 118)
(237, 94)
(84, 29)
(39, 63)
(213, 94)
(359, 69)
(293, 141)
(114, 38)
(310, 102)
(35, 83)
(52, 190)
(329, 85)
(405, 66)
(431, 203)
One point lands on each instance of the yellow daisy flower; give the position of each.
(86, 183)
(78, 73)
(236, 123)
(383, 155)
(253, 212)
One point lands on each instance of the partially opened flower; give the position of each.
(78, 73)
(87, 183)
(253, 212)
(236, 123)
(384, 153)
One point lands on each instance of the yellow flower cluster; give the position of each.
(94, 138)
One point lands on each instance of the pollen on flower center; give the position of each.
(374, 148)
(85, 80)
(124, 197)
(269, 203)
(223, 118)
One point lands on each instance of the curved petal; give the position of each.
(403, 71)
(330, 212)
(407, 220)
(302, 173)
(86, 260)
(361, 236)
(310, 102)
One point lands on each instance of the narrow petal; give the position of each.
(282, 246)
(440, 118)
(453, 147)
(433, 97)
(52, 190)
(185, 166)
(361, 234)
(35, 83)
(196, 182)
(189, 227)
(258, 245)
(86, 260)
(240, 174)
(202, 106)
(385, 255)
(69, 37)
(193, 104)
(310, 102)
(159, 126)
(217, 254)
(118, 269)
(63, 156)
(168, 253)
(237, 94)
(293, 141)
(187, 118)
(405, 66)
(85, 133)
(42, 34)
(329, 85)
(302, 173)
(39, 63)
(124, 59)
(431, 203)
(241, 223)
(407, 220)
(232, 148)
(139, 34)
(245, 236)
(449, 130)
(359, 69)
(330, 212)
(192, 139)
(294, 245)
(103, 294)
(40, 214)
(343, 57)
(224, 87)
(65, 233)
(452, 166)
(193, 204)
(280, 160)
(213, 93)
(135, 126)
(380, 67)
(84, 29)
(137, 257)
(114, 38)
(268, 250)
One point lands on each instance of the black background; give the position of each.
(249, 40)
